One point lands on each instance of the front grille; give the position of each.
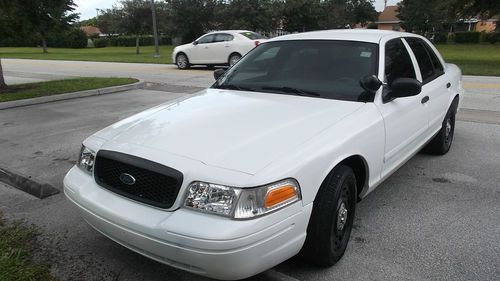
(137, 178)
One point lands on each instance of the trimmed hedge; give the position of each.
(129, 41)
(73, 38)
(467, 37)
(492, 37)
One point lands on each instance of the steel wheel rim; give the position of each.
(341, 226)
(234, 60)
(448, 134)
(181, 61)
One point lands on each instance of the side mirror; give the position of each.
(405, 87)
(370, 83)
(195, 42)
(218, 73)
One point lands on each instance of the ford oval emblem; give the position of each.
(127, 179)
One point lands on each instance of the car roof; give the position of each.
(362, 35)
(229, 31)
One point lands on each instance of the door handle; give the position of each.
(425, 99)
(448, 85)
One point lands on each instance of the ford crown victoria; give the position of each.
(270, 161)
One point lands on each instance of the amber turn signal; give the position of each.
(280, 195)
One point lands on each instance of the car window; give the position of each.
(252, 35)
(328, 69)
(398, 62)
(222, 37)
(424, 59)
(438, 66)
(206, 39)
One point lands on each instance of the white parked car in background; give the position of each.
(270, 161)
(223, 47)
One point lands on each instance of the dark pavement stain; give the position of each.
(441, 180)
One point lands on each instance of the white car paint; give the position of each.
(247, 139)
(216, 52)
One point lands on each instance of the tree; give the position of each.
(45, 16)
(420, 16)
(302, 15)
(363, 11)
(256, 15)
(192, 18)
(135, 19)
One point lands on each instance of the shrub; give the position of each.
(467, 37)
(100, 42)
(492, 37)
(440, 38)
(129, 41)
(73, 38)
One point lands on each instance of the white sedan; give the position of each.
(223, 47)
(270, 161)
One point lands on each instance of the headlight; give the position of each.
(241, 203)
(86, 160)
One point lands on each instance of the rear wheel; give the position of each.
(182, 61)
(234, 58)
(441, 143)
(332, 218)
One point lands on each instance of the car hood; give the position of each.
(236, 130)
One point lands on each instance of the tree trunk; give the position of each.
(44, 45)
(2, 80)
(137, 44)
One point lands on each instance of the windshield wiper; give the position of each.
(234, 87)
(291, 90)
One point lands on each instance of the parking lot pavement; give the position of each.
(42, 141)
(434, 219)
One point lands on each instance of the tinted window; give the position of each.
(398, 62)
(252, 35)
(222, 37)
(423, 58)
(438, 67)
(206, 39)
(326, 69)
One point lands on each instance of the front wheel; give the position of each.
(332, 218)
(182, 61)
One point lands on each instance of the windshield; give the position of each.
(317, 68)
(252, 35)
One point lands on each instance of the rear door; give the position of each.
(222, 47)
(436, 86)
(200, 52)
(405, 119)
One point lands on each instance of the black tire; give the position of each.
(233, 59)
(327, 236)
(182, 61)
(441, 143)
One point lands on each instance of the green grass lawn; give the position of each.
(473, 59)
(34, 90)
(17, 245)
(110, 54)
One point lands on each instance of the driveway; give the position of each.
(436, 218)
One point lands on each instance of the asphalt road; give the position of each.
(437, 218)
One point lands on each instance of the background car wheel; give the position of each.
(182, 61)
(332, 217)
(441, 143)
(234, 58)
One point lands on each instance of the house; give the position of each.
(91, 31)
(388, 19)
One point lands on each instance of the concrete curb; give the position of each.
(27, 184)
(75, 95)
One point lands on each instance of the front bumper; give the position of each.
(204, 244)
